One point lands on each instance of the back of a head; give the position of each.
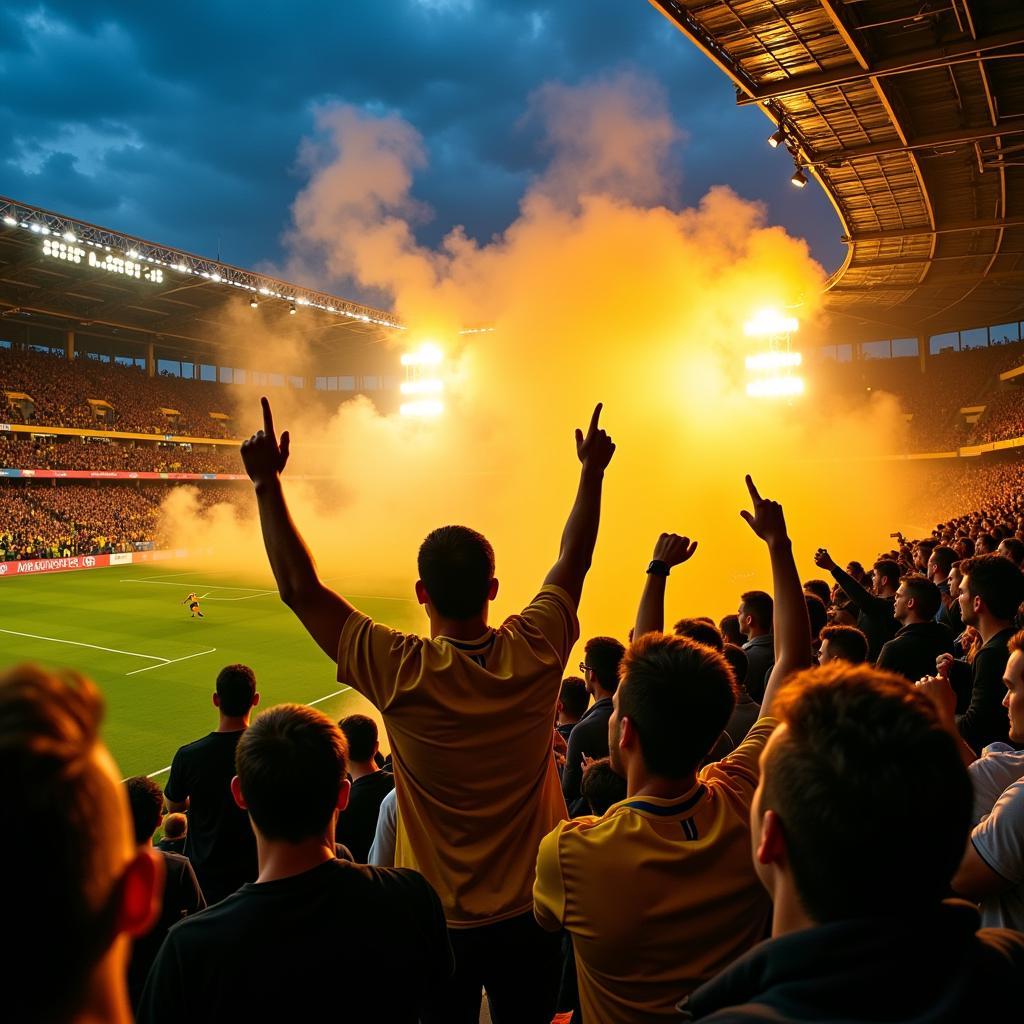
(701, 631)
(236, 689)
(175, 826)
(66, 848)
(889, 569)
(602, 786)
(146, 802)
(456, 565)
(738, 662)
(874, 800)
(847, 643)
(361, 734)
(759, 606)
(997, 581)
(943, 558)
(927, 596)
(603, 655)
(291, 763)
(679, 695)
(729, 627)
(573, 696)
(821, 590)
(1013, 549)
(817, 613)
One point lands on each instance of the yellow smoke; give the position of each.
(601, 290)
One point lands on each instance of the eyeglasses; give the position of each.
(584, 667)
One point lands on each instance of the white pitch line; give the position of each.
(95, 647)
(160, 583)
(171, 661)
(153, 775)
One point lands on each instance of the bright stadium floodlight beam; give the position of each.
(254, 303)
(10, 222)
(428, 354)
(768, 322)
(69, 236)
(777, 138)
(424, 409)
(776, 387)
(428, 386)
(291, 310)
(773, 360)
(799, 179)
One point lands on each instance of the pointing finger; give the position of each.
(268, 417)
(753, 490)
(595, 417)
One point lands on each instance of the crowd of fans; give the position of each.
(104, 455)
(808, 809)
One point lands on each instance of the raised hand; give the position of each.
(943, 663)
(940, 693)
(767, 520)
(673, 549)
(823, 560)
(597, 448)
(264, 458)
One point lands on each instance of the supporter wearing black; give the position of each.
(79, 885)
(991, 591)
(573, 699)
(747, 710)
(702, 631)
(181, 893)
(755, 615)
(914, 650)
(220, 843)
(949, 614)
(843, 643)
(857, 864)
(357, 823)
(940, 561)
(278, 949)
(821, 590)
(875, 618)
(589, 737)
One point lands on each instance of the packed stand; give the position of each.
(109, 456)
(775, 808)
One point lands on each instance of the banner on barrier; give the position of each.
(75, 563)
(104, 474)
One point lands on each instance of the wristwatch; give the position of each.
(658, 568)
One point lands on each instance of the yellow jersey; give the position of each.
(470, 727)
(658, 895)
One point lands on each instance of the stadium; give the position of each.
(884, 402)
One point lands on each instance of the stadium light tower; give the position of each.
(770, 372)
(422, 383)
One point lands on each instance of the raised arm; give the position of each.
(792, 627)
(318, 608)
(671, 550)
(858, 594)
(580, 534)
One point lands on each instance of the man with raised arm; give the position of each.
(468, 712)
(659, 893)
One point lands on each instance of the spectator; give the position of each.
(701, 632)
(991, 591)
(274, 950)
(949, 614)
(181, 895)
(940, 562)
(875, 617)
(1013, 549)
(857, 864)
(602, 786)
(729, 627)
(818, 614)
(357, 823)
(821, 590)
(175, 833)
(382, 850)
(473, 807)
(220, 843)
(589, 737)
(747, 710)
(682, 835)
(573, 699)
(81, 887)
(843, 643)
(913, 652)
(755, 617)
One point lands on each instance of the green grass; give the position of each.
(137, 610)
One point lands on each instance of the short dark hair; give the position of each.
(821, 590)
(679, 695)
(817, 613)
(989, 542)
(848, 641)
(857, 568)
(703, 632)
(759, 606)
(175, 826)
(738, 662)
(573, 696)
(603, 655)
(924, 592)
(291, 763)
(456, 566)
(146, 801)
(1014, 549)
(997, 581)
(236, 688)
(59, 855)
(888, 568)
(873, 797)
(944, 557)
(361, 734)
(729, 627)
(601, 786)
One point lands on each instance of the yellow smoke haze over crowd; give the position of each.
(603, 289)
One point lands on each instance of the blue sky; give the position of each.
(182, 122)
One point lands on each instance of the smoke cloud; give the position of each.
(602, 289)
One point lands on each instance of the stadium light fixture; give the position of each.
(254, 303)
(428, 354)
(69, 236)
(776, 387)
(773, 360)
(766, 323)
(10, 222)
(35, 229)
(291, 310)
(424, 386)
(777, 138)
(799, 179)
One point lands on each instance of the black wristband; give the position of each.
(658, 568)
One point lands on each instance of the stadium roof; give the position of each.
(910, 114)
(61, 271)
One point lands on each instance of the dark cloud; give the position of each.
(182, 123)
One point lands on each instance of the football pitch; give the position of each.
(127, 629)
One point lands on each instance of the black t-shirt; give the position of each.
(339, 942)
(220, 841)
(357, 824)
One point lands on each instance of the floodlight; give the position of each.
(10, 222)
(291, 309)
(776, 387)
(69, 236)
(427, 386)
(254, 303)
(428, 354)
(777, 138)
(773, 360)
(799, 179)
(768, 322)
